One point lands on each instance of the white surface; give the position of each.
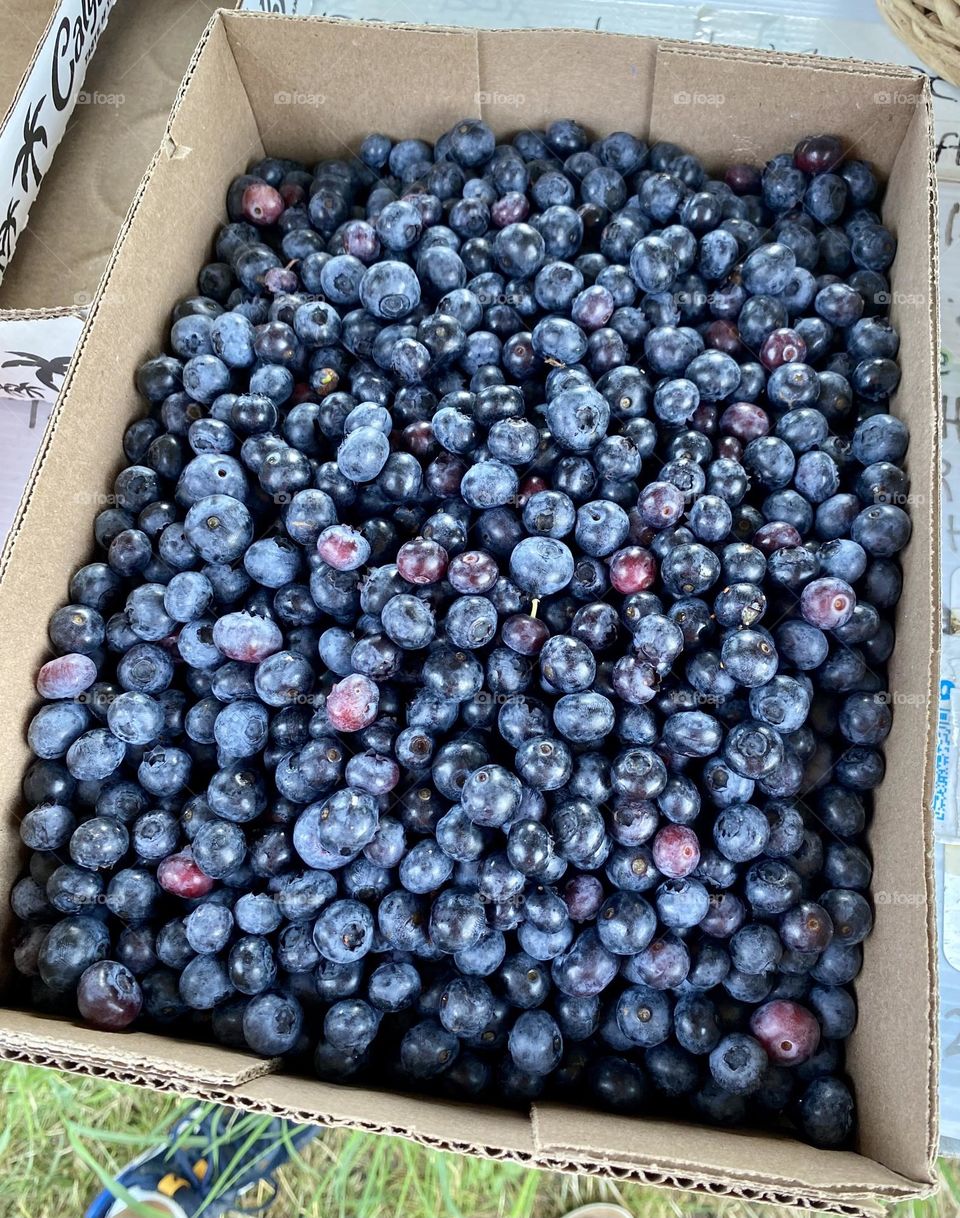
(22, 424)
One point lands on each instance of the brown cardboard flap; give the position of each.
(30, 1037)
(23, 24)
(753, 118)
(431, 1120)
(542, 70)
(892, 1130)
(299, 100)
(713, 1155)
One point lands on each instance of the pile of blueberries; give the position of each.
(478, 686)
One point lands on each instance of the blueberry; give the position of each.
(425, 868)
(750, 657)
(343, 932)
(47, 827)
(653, 264)
(363, 454)
(488, 484)
(826, 1112)
(696, 1023)
(95, 755)
(55, 727)
(427, 1049)
(541, 566)
(240, 729)
(737, 1063)
(544, 763)
(535, 1043)
(586, 968)
(108, 995)
(389, 290)
(393, 987)
(272, 1023)
(72, 946)
(578, 418)
(740, 832)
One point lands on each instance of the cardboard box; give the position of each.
(104, 114)
(309, 87)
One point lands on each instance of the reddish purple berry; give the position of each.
(632, 569)
(108, 995)
(473, 571)
(828, 602)
(676, 851)
(261, 204)
(788, 1031)
(66, 676)
(783, 346)
(422, 561)
(343, 548)
(180, 875)
(352, 703)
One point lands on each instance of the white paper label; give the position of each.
(34, 355)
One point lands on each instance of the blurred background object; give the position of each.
(931, 28)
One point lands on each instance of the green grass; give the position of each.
(60, 1135)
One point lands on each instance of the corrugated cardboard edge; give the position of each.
(123, 1065)
(561, 1159)
(43, 1051)
(793, 59)
(934, 671)
(723, 51)
(754, 1187)
(42, 314)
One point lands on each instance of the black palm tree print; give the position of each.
(8, 230)
(46, 369)
(23, 390)
(33, 134)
